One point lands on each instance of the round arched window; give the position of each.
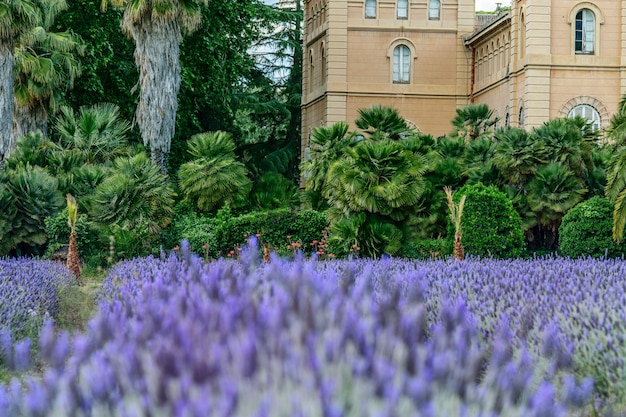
(586, 112)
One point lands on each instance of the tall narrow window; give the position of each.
(323, 59)
(434, 9)
(311, 71)
(370, 8)
(401, 64)
(403, 9)
(522, 117)
(585, 32)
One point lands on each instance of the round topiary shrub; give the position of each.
(490, 225)
(587, 230)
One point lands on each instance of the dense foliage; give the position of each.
(311, 338)
(491, 226)
(587, 231)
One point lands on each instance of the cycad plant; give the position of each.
(456, 213)
(73, 262)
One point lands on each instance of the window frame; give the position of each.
(371, 9)
(585, 25)
(431, 9)
(404, 9)
(598, 17)
(597, 120)
(403, 60)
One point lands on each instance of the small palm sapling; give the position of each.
(456, 212)
(73, 263)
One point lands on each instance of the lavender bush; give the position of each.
(29, 294)
(176, 337)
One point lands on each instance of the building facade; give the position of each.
(538, 60)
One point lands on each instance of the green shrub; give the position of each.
(427, 249)
(277, 228)
(587, 230)
(58, 232)
(198, 230)
(490, 225)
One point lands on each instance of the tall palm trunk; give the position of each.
(27, 119)
(157, 55)
(73, 262)
(7, 63)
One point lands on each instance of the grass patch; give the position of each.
(77, 304)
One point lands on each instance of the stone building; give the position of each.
(541, 59)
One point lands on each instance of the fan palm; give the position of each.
(379, 177)
(551, 193)
(384, 123)
(474, 121)
(616, 173)
(16, 17)
(34, 195)
(214, 176)
(46, 63)
(157, 28)
(98, 132)
(518, 155)
(135, 192)
(326, 145)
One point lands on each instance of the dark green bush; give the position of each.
(58, 232)
(277, 228)
(587, 230)
(427, 249)
(490, 225)
(198, 230)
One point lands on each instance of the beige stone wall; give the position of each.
(526, 60)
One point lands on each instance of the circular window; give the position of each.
(586, 112)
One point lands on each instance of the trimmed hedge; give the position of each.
(587, 230)
(490, 225)
(277, 228)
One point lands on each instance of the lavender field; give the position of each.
(177, 337)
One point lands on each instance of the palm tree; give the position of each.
(135, 193)
(551, 193)
(456, 214)
(98, 132)
(157, 28)
(16, 18)
(214, 176)
(384, 123)
(73, 263)
(326, 146)
(46, 63)
(616, 175)
(474, 121)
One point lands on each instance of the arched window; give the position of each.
(401, 66)
(522, 116)
(403, 9)
(587, 112)
(370, 9)
(585, 32)
(434, 9)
